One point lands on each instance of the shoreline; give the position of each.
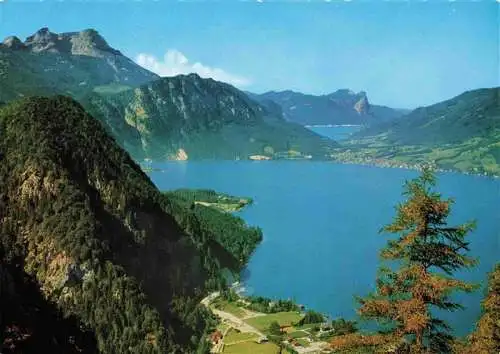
(385, 164)
(331, 125)
(414, 167)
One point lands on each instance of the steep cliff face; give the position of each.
(340, 107)
(81, 219)
(202, 117)
(72, 63)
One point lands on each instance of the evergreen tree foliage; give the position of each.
(486, 337)
(418, 277)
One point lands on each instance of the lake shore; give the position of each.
(408, 166)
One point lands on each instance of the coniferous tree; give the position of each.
(418, 277)
(486, 337)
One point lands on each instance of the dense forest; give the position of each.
(227, 229)
(87, 236)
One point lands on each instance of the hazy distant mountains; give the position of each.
(340, 107)
(148, 115)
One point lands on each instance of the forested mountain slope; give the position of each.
(83, 225)
(203, 118)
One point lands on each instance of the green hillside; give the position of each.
(204, 118)
(110, 260)
(461, 134)
(472, 114)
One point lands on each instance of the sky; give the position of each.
(403, 54)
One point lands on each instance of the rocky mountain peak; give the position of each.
(42, 40)
(351, 100)
(87, 42)
(13, 42)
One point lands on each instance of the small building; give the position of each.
(283, 328)
(259, 157)
(215, 337)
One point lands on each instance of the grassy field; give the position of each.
(233, 336)
(252, 348)
(284, 318)
(224, 207)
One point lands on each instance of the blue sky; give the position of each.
(403, 54)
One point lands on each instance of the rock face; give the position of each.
(12, 42)
(340, 107)
(87, 42)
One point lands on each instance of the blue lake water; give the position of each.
(338, 132)
(321, 220)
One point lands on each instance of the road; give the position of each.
(237, 322)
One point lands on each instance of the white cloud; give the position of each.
(176, 63)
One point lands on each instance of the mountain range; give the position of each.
(338, 108)
(162, 118)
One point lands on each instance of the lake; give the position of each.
(321, 220)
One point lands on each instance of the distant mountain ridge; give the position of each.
(87, 42)
(340, 107)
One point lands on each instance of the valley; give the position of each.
(221, 182)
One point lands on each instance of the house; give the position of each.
(259, 157)
(283, 328)
(215, 337)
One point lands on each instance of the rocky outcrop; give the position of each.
(87, 42)
(12, 42)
